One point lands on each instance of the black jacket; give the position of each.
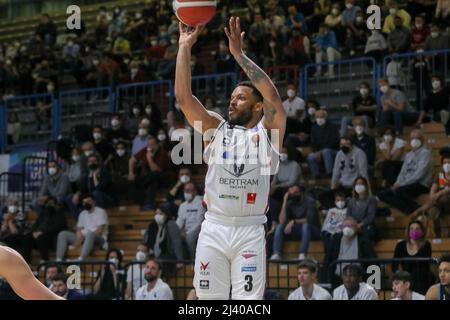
(324, 137)
(51, 220)
(365, 248)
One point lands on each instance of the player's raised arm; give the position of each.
(274, 114)
(189, 104)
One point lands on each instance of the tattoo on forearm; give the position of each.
(254, 73)
(269, 112)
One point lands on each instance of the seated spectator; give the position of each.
(45, 230)
(394, 11)
(166, 66)
(419, 32)
(402, 285)
(438, 40)
(326, 46)
(102, 20)
(74, 170)
(415, 246)
(92, 229)
(146, 172)
(294, 107)
(289, 173)
(13, 225)
(362, 207)
(376, 46)
(442, 12)
(324, 144)
(334, 21)
(296, 52)
(135, 273)
(47, 30)
(176, 193)
(14, 128)
(414, 178)
(349, 13)
(141, 140)
(392, 150)
(224, 62)
(101, 145)
(163, 236)
(321, 10)
(363, 140)
(356, 34)
(51, 270)
(117, 131)
(354, 288)
(333, 222)
(301, 133)
(437, 103)
(439, 200)
(71, 50)
(59, 287)
(55, 184)
(296, 19)
(308, 290)
(191, 214)
(351, 244)
(156, 288)
(299, 220)
(117, 167)
(399, 38)
(395, 74)
(395, 108)
(441, 291)
(121, 45)
(108, 71)
(108, 285)
(350, 163)
(421, 70)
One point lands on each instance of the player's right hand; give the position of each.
(188, 35)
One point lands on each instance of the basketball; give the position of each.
(193, 13)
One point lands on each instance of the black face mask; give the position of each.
(150, 278)
(93, 166)
(87, 206)
(345, 149)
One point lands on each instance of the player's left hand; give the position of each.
(235, 36)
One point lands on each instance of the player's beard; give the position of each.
(243, 118)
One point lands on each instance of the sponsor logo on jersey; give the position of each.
(238, 183)
(251, 198)
(248, 254)
(248, 268)
(226, 141)
(228, 196)
(204, 268)
(238, 170)
(204, 284)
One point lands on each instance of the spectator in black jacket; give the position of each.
(101, 145)
(364, 141)
(176, 193)
(117, 132)
(97, 182)
(59, 287)
(117, 166)
(437, 104)
(324, 144)
(47, 30)
(45, 230)
(110, 277)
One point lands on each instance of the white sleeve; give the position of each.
(166, 294)
(102, 218)
(80, 222)
(181, 219)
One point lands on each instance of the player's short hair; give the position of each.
(354, 268)
(309, 264)
(445, 258)
(158, 263)
(258, 96)
(401, 275)
(60, 277)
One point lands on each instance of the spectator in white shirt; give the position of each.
(308, 290)
(92, 228)
(155, 289)
(353, 287)
(295, 109)
(392, 155)
(135, 273)
(401, 287)
(190, 217)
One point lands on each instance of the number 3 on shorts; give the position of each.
(249, 285)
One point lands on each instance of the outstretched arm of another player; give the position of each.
(274, 114)
(189, 104)
(18, 274)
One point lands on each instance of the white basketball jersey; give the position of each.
(240, 164)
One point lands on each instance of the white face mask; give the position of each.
(340, 204)
(114, 261)
(348, 232)
(311, 111)
(154, 43)
(349, 5)
(173, 41)
(120, 152)
(415, 143)
(187, 196)
(393, 11)
(159, 219)
(97, 135)
(115, 122)
(161, 137)
(387, 138)
(142, 132)
(75, 158)
(359, 19)
(283, 157)
(12, 209)
(145, 121)
(364, 91)
(140, 256)
(359, 130)
(320, 121)
(384, 89)
(185, 178)
(446, 167)
(335, 11)
(291, 93)
(148, 111)
(88, 153)
(359, 188)
(434, 34)
(436, 84)
(51, 171)
(135, 112)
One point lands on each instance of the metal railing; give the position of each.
(34, 170)
(12, 186)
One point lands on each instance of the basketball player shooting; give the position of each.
(231, 247)
(17, 273)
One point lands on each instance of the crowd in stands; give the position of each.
(129, 158)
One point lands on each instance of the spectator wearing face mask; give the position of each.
(437, 104)
(415, 246)
(363, 140)
(110, 277)
(166, 66)
(442, 12)
(402, 287)
(399, 39)
(392, 150)
(13, 225)
(350, 163)
(97, 182)
(135, 273)
(394, 11)
(156, 288)
(334, 21)
(117, 167)
(326, 46)
(55, 184)
(92, 229)
(356, 35)
(308, 289)
(376, 47)
(59, 287)
(294, 107)
(302, 132)
(121, 45)
(117, 131)
(191, 214)
(419, 32)
(414, 179)
(101, 145)
(354, 288)
(134, 118)
(421, 70)
(349, 14)
(141, 140)
(299, 220)
(324, 144)
(333, 222)
(176, 193)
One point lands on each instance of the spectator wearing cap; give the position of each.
(59, 287)
(402, 285)
(353, 287)
(299, 220)
(147, 171)
(308, 289)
